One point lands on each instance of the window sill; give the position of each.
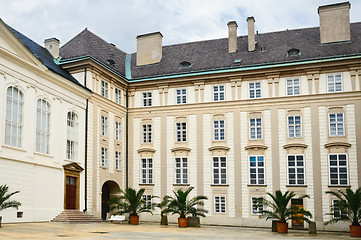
(297, 186)
(104, 168)
(339, 186)
(14, 148)
(219, 185)
(256, 185)
(146, 184)
(118, 170)
(43, 154)
(180, 185)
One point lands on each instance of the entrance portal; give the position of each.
(110, 189)
(71, 185)
(70, 192)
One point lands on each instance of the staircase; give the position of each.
(75, 216)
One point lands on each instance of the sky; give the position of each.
(121, 21)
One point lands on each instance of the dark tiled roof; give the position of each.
(87, 43)
(44, 56)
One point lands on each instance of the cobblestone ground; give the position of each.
(39, 231)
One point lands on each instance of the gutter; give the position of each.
(86, 150)
(126, 141)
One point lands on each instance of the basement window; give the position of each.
(185, 64)
(293, 52)
(19, 214)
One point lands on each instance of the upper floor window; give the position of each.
(118, 165)
(147, 99)
(336, 124)
(294, 127)
(296, 170)
(181, 131)
(104, 89)
(72, 136)
(104, 157)
(219, 204)
(104, 126)
(254, 89)
(42, 126)
(338, 169)
(118, 130)
(147, 133)
(257, 205)
(146, 171)
(255, 128)
(218, 93)
(14, 117)
(293, 86)
(218, 130)
(181, 95)
(334, 82)
(181, 170)
(256, 170)
(219, 170)
(117, 95)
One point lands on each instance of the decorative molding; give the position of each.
(141, 150)
(217, 148)
(73, 167)
(337, 144)
(176, 149)
(256, 147)
(295, 145)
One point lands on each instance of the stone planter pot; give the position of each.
(282, 227)
(134, 219)
(194, 222)
(355, 231)
(182, 222)
(0, 220)
(164, 220)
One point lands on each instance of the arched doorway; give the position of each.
(109, 190)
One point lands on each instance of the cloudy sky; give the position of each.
(120, 21)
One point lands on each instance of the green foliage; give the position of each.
(163, 204)
(130, 202)
(280, 209)
(349, 204)
(180, 205)
(4, 198)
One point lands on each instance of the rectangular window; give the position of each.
(118, 96)
(70, 148)
(336, 124)
(294, 127)
(218, 93)
(338, 169)
(118, 130)
(254, 89)
(104, 126)
(181, 95)
(43, 126)
(147, 133)
(147, 201)
(146, 171)
(296, 170)
(181, 131)
(293, 86)
(219, 204)
(218, 130)
(337, 212)
(255, 128)
(147, 99)
(256, 170)
(72, 136)
(104, 89)
(219, 170)
(181, 170)
(334, 82)
(118, 163)
(257, 205)
(104, 157)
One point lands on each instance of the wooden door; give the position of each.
(297, 203)
(70, 192)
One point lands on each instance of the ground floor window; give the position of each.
(147, 201)
(257, 205)
(219, 204)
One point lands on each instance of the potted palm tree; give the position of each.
(162, 206)
(180, 205)
(349, 207)
(4, 199)
(281, 211)
(131, 202)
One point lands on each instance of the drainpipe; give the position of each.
(86, 149)
(126, 141)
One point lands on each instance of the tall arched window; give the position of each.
(72, 136)
(42, 126)
(14, 117)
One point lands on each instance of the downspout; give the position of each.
(126, 141)
(86, 149)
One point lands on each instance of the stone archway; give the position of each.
(109, 190)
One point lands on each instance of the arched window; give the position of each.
(72, 136)
(42, 126)
(14, 117)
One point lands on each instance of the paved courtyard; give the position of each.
(25, 231)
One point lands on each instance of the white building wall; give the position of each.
(156, 158)
(207, 162)
(208, 93)
(170, 154)
(282, 137)
(244, 164)
(191, 95)
(351, 138)
(323, 124)
(230, 166)
(136, 146)
(192, 155)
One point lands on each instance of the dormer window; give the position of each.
(293, 52)
(185, 64)
(111, 62)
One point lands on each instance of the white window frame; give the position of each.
(181, 175)
(256, 128)
(147, 198)
(147, 133)
(337, 124)
(292, 127)
(104, 88)
(147, 99)
(43, 118)
(104, 157)
(257, 171)
(219, 92)
(72, 136)
(118, 95)
(118, 131)
(181, 95)
(219, 172)
(338, 211)
(333, 83)
(293, 88)
(254, 208)
(14, 121)
(219, 132)
(118, 160)
(255, 89)
(104, 126)
(220, 204)
(181, 131)
(337, 167)
(296, 167)
(146, 171)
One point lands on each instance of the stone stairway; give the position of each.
(75, 216)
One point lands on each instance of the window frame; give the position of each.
(118, 130)
(257, 91)
(218, 130)
(222, 200)
(256, 128)
(255, 209)
(9, 121)
(104, 160)
(219, 95)
(257, 170)
(117, 95)
(104, 89)
(334, 90)
(147, 133)
(181, 132)
(149, 173)
(339, 211)
(294, 125)
(292, 86)
(43, 134)
(182, 180)
(147, 200)
(336, 123)
(147, 99)
(182, 96)
(72, 124)
(104, 126)
(221, 178)
(296, 168)
(338, 166)
(118, 160)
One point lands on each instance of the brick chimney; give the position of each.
(251, 35)
(232, 37)
(149, 48)
(52, 45)
(335, 22)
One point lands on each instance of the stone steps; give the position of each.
(75, 216)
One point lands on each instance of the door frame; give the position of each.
(302, 222)
(72, 170)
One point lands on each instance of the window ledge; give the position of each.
(337, 144)
(118, 170)
(295, 145)
(256, 185)
(43, 154)
(339, 186)
(146, 150)
(181, 149)
(255, 146)
(104, 168)
(146, 184)
(218, 148)
(14, 148)
(179, 184)
(219, 185)
(297, 186)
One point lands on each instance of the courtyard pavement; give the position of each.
(39, 231)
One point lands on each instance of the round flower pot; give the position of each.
(134, 219)
(182, 222)
(355, 231)
(282, 227)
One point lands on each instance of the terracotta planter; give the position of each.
(134, 219)
(182, 222)
(282, 227)
(355, 231)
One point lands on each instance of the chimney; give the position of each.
(149, 48)
(335, 22)
(52, 45)
(232, 37)
(251, 36)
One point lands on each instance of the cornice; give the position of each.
(337, 144)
